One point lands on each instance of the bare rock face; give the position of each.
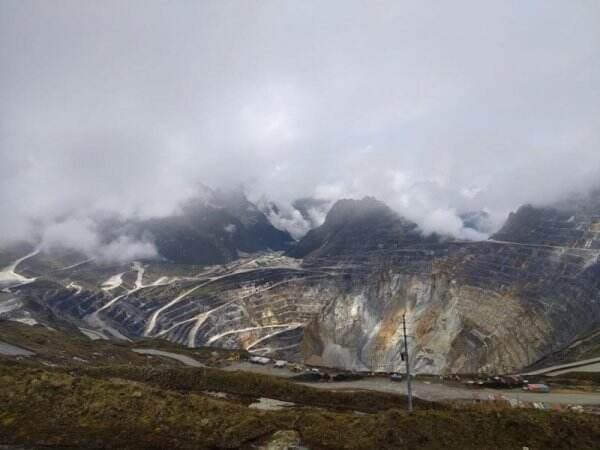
(459, 319)
(471, 307)
(260, 303)
(574, 222)
(493, 306)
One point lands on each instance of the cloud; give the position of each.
(124, 107)
(125, 249)
(297, 218)
(290, 220)
(447, 222)
(78, 234)
(230, 228)
(81, 234)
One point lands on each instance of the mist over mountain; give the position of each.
(213, 227)
(290, 178)
(297, 218)
(121, 110)
(206, 206)
(357, 226)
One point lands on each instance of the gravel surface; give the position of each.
(181, 358)
(13, 350)
(432, 390)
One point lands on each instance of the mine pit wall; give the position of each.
(486, 307)
(265, 313)
(480, 308)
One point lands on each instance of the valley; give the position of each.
(336, 299)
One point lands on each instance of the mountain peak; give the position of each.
(569, 223)
(353, 226)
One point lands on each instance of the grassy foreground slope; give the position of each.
(77, 393)
(165, 408)
(68, 347)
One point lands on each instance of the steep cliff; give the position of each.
(481, 306)
(493, 306)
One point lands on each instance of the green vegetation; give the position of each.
(71, 348)
(43, 407)
(252, 385)
(575, 379)
(117, 399)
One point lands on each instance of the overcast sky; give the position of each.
(435, 107)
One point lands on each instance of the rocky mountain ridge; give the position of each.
(212, 229)
(574, 224)
(337, 297)
(479, 306)
(356, 226)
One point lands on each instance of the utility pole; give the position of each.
(408, 381)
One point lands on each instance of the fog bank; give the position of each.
(437, 108)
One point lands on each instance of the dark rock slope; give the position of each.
(481, 306)
(571, 223)
(356, 226)
(212, 229)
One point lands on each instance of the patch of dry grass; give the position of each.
(113, 409)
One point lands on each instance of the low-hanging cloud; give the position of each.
(81, 234)
(297, 217)
(441, 108)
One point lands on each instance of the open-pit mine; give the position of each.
(336, 298)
